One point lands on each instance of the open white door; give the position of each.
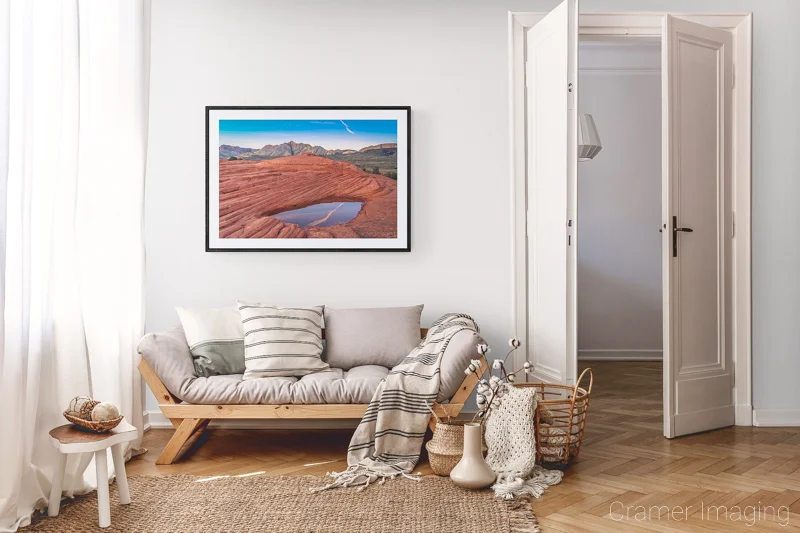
(552, 120)
(697, 227)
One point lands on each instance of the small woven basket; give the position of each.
(447, 446)
(560, 420)
(91, 425)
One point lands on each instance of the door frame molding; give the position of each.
(647, 25)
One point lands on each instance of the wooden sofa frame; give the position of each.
(189, 419)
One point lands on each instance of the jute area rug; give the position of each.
(181, 503)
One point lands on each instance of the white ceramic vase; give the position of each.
(472, 471)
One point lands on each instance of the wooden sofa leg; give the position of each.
(185, 430)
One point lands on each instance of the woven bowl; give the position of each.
(91, 425)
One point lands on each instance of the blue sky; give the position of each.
(330, 134)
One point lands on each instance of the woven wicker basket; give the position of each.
(560, 420)
(447, 446)
(91, 425)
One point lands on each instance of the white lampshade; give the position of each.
(588, 139)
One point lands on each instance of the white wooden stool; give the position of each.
(67, 439)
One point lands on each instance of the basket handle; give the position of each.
(591, 381)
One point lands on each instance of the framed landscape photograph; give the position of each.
(308, 179)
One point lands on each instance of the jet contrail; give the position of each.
(347, 127)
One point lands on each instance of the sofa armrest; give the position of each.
(168, 355)
(463, 347)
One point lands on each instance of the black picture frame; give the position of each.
(404, 247)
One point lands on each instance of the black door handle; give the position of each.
(675, 230)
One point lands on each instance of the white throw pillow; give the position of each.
(281, 341)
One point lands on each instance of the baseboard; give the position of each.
(620, 355)
(744, 415)
(776, 417)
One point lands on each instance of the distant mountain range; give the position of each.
(226, 151)
(375, 159)
(273, 151)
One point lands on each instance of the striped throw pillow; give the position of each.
(281, 341)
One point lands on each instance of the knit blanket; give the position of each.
(511, 443)
(387, 442)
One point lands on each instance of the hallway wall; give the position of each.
(619, 203)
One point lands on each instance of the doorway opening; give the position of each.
(706, 70)
(619, 263)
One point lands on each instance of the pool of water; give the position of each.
(321, 215)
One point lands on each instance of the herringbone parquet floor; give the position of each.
(628, 478)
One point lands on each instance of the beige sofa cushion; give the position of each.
(334, 386)
(168, 354)
(380, 336)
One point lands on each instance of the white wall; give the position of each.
(337, 53)
(619, 203)
(448, 60)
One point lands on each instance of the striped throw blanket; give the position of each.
(387, 442)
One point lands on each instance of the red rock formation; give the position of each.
(251, 191)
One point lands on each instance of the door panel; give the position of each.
(551, 80)
(698, 377)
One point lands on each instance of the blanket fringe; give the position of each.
(512, 485)
(521, 518)
(361, 475)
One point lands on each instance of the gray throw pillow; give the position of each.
(215, 338)
(381, 336)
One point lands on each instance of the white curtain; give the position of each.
(73, 136)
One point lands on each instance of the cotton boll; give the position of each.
(497, 364)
